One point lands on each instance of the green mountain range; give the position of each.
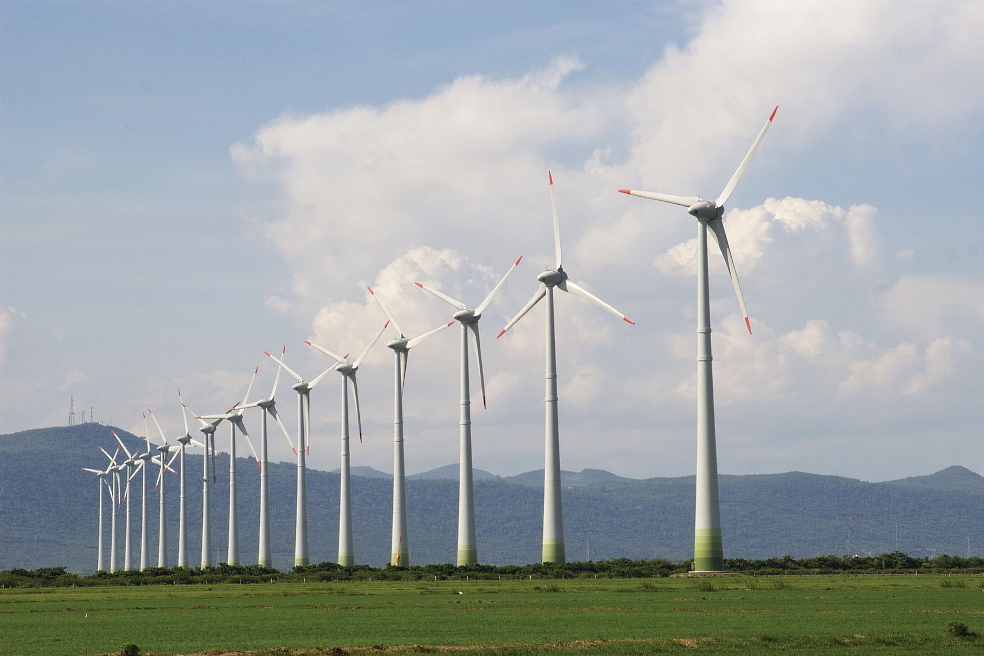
(49, 511)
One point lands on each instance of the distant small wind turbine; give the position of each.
(102, 475)
(303, 389)
(400, 544)
(468, 318)
(207, 430)
(553, 521)
(130, 463)
(235, 418)
(161, 486)
(269, 407)
(114, 496)
(708, 543)
(346, 549)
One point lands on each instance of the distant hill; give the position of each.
(368, 472)
(450, 473)
(48, 511)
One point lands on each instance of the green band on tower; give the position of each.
(346, 559)
(708, 550)
(467, 555)
(553, 551)
(300, 561)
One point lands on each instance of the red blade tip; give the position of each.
(419, 285)
(501, 333)
(550, 175)
(370, 291)
(628, 320)
(307, 342)
(748, 325)
(267, 353)
(518, 261)
(625, 191)
(774, 113)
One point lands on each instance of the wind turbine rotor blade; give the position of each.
(478, 351)
(446, 299)
(250, 388)
(726, 194)
(184, 413)
(399, 333)
(556, 221)
(94, 471)
(276, 416)
(577, 290)
(173, 457)
(129, 456)
(340, 359)
(717, 229)
(358, 412)
(249, 442)
(157, 423)
(540, 293)
(276, 379)
(495, 290)
(321, 376)
(196, 443)
(362, 356)
(417, 340)
(404, 359)
(293, 373)
(686, 201)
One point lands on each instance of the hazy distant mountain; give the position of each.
(569, 478)
(368, 472)
(49, 506)
(450, 473)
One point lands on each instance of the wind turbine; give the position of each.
(208, 479)
(235, 418)
(303, 389)
(144, 458)
(114, 496)
(346, 551)
(165, 464)
(183, 441)
(708, 543)
(101, 474)
(401, 346)
(269, 407)
(131, 464)
(468, 318)
(553, 521)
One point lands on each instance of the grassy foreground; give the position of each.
(793, 615)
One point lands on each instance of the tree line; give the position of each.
(890, 563)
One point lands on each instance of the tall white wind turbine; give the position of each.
(114, 496)
(207, 430)
(235, 418)
(346, 549)
(183, 441)
(161, 486)
(145, 457)
(400, 544)
(269, 407)
(553, 521)
(131, 463)
(303, 389)
(468, 318)
(708, 543)
(102, 476)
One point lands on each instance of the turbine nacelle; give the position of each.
(705, 210)
(347, 368)
(145, 456)
(466, 316)
(552, 277)
(301, 388)
(399, 345)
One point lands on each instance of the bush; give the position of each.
(959, 630)
(129, 649)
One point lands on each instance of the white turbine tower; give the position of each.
(161, 486)
(114, 495)
(144, 539)
(400, 544)
(468, 318)
(235, 418)
(303, 389)
(346, 549)
(269, 407)
(183, 441)
(708, 543)
(553, 522)
(208, 479)
(131, 463)
(102, 475)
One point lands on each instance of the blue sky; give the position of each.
(185, 185)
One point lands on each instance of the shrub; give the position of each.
(129, 649)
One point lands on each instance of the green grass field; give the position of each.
(794, 615)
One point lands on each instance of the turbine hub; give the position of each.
(552, 277)
(184, 439)
(346, 369)
(466, 316)
(399, 344)
(705, 210)
(300, 387)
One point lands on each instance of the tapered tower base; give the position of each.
(553, 551)
(708, 550)
(467, 555)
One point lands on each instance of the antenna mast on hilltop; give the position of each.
(71, 412)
